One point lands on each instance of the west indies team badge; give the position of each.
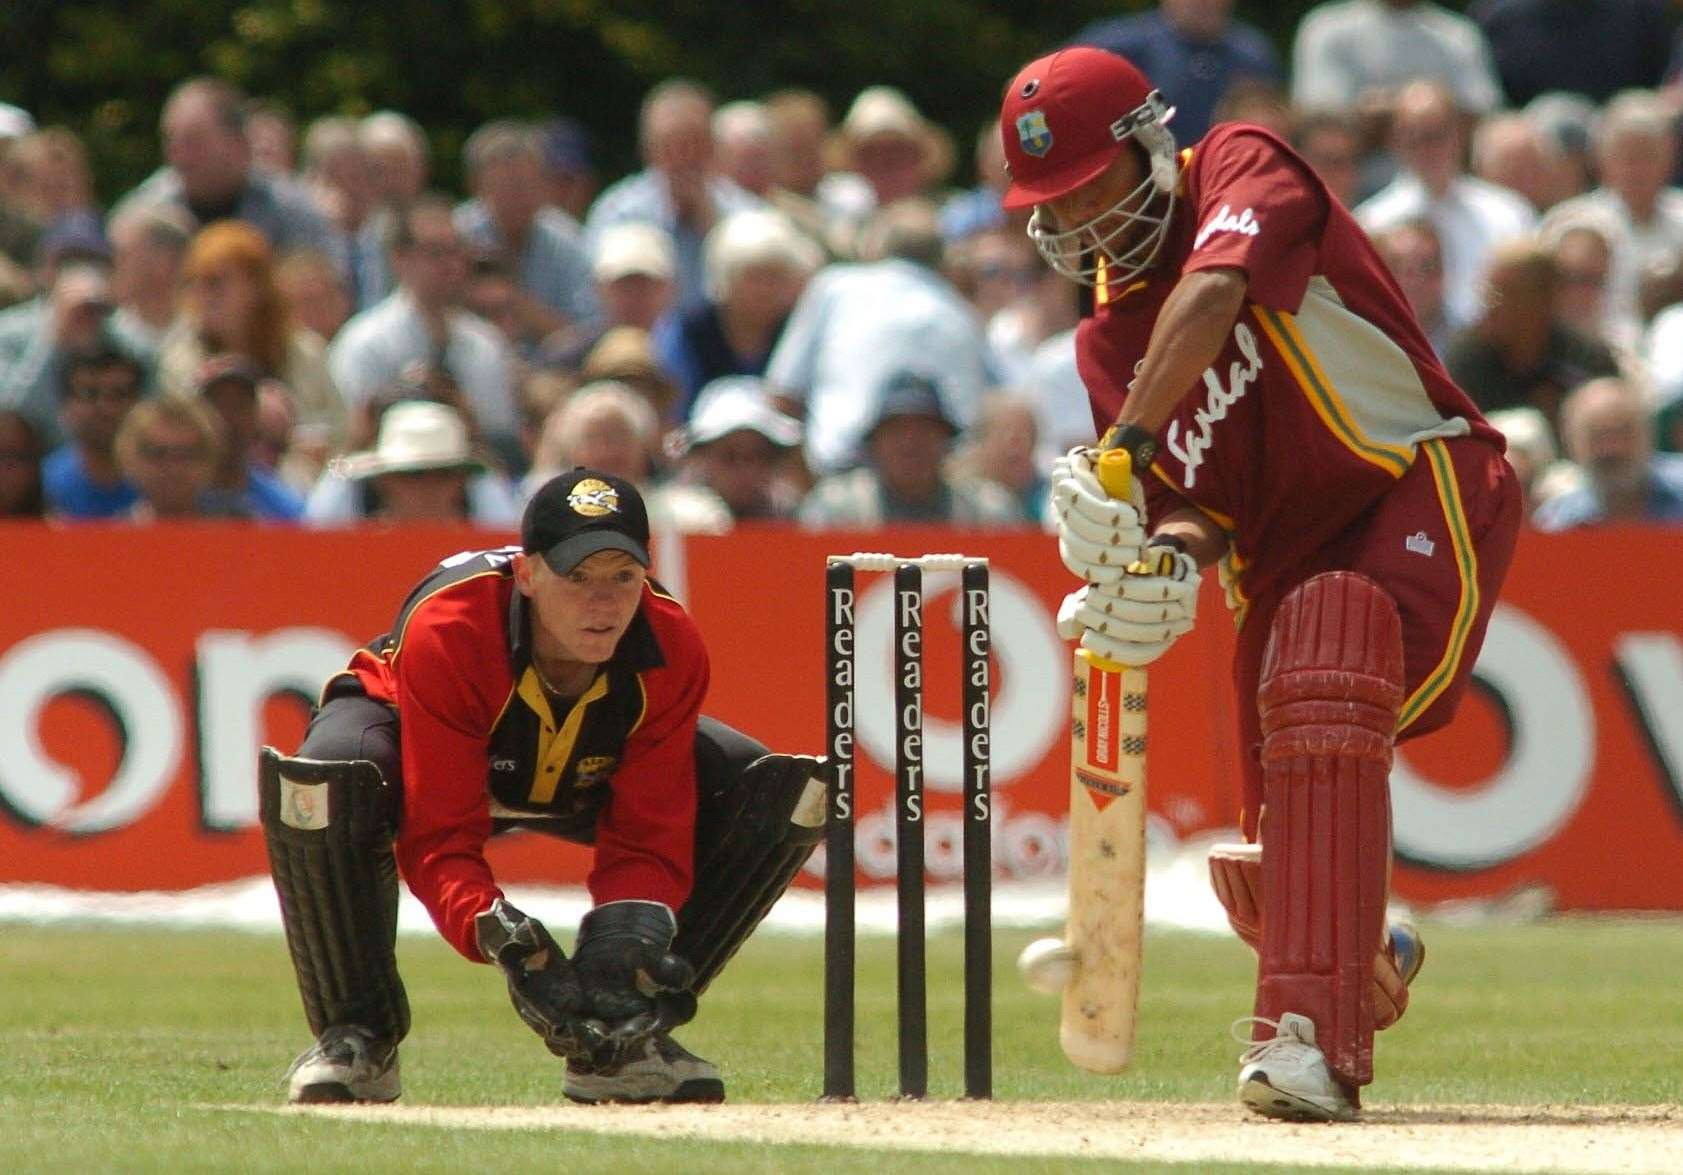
(1033, 133)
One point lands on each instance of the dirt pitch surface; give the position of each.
(1460, 1138)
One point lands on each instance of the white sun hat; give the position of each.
(415, 435)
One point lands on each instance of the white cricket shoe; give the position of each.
(347, 1063)
(1288, 1077)
(660, 1070)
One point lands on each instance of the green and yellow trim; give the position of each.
(1466, 564)
(1281, 329)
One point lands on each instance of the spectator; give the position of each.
(981, 208)
(679, 189)
(1472, 217)
(20, 466)
(73, 317)
(625, 355)
(1583, 264)
(313, 291)
(636, 273)
(1039, 304)
(241, 486)
(737, 447)
(422, 322)
(757, 264)
(1004, 450)
(148, 245)
(1592, 49)
(1635, 147)
(1259, 102)
(856, 325)
(421, 469)
(1568, 121)
(1532, 454)
(20, 233)
(209, 171)
(398, 148)
(168, 448)
(1193, 50)
(1412, 251)
(742, 136)
(231, 302)
(605, 425)
(570, 176)
(1516, 354)
(1063, 416)
(273, 136)
(493, 294)
(993, 268)
(57, 178)
(904, 478)
(544, 246)
(1513, 152)
(340, 173)
(1356, 54)
(81, 478)
(1331, 143)
(1608, 433)
(892, 147)
(824, 205)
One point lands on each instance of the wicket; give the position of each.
(839, 882)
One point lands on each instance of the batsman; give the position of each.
(553, 687)
(1288, 421)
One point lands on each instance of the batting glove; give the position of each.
(1098, 535)
(1135, 619)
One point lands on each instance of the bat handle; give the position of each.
(1115, 470)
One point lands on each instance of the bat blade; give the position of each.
(1106, 863)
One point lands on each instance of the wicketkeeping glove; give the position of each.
(1098, 535)
(543, 985)
(1135, 619)
(625, 965)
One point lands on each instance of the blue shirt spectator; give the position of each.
(857, 327)
(680, 191)
(1594, 49)
(1608, 431)
(81, 478)
(1192, 50)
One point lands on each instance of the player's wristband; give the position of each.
(1167, 540)
(1137, 442)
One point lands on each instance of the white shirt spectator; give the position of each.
(1658, 242)
(857, 326)
(374, 347)
(1345, 48)
(1061, 408)
(1471, 218)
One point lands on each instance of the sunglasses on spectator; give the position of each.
(172, 453)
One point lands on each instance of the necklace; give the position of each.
(549, 686)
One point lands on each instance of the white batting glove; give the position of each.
(1098, 535)
(1134, 620)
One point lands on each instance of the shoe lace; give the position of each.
(350, 1043)
(1257, 1049)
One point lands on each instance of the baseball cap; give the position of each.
(736, 402)
(578, 513)
(911, 394)
(882, 110)
(634, 249)
(1064, 118)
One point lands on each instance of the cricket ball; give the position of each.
(1047, 965)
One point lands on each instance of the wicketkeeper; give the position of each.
(1288, 419)
(553, 687)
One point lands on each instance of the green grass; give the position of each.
(116, 1047)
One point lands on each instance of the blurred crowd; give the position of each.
(798, 313)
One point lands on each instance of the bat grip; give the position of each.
(1115, 470)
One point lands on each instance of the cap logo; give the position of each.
(1030, 88)
(1033, 133)
(593, 498)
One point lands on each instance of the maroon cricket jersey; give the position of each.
(1323, 394)
(481, 739)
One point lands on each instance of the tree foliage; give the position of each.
(104, 67)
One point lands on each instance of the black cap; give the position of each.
(908, 393)
(581, 512)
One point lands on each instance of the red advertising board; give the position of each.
(141, 669)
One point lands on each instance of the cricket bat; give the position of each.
(1106, 846)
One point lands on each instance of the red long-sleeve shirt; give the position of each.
(480, 742)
